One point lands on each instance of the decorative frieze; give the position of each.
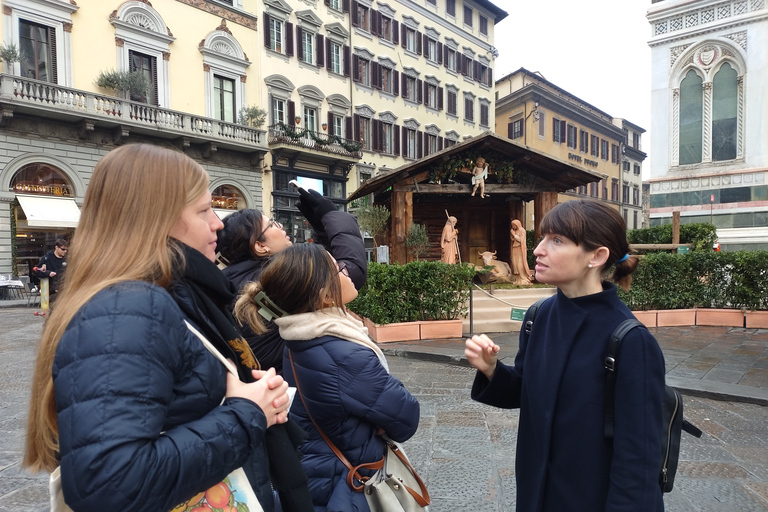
(706, 16)
(229, 14)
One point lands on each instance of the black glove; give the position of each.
(313, 206)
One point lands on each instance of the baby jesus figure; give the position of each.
(479, 175)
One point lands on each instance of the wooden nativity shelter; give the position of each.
(420, 192)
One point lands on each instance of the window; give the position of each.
(452, 102)
(691, 117)
(362, 70)
(625, 193)
(571, 136)
(431, 96)
(308, 47)
(386, 28)
(604, 185)
(410, 144)
(595, 147)
(635, 197)
(387, 80)
(310, 119)
(37, 49)
(335, 4)
(432, 2)
(387, 145)
(363, 17)
(484, 114)
(224, 98)
(542, 124)
(468, 66)
(411, 92)
(335, 54)
(626, 166)
(515, 129)
(604, 149)
(411, 39)
(636, 170)
(278, 111)
(636, 140)
(431, 50)
(483, 24)
(450, 7)
(365, 132)
(147, 66)
(583, 141)
(725, 98)
(431, 144)
(276, 35)
(558, 130)
(615, 155)
(614, 190)
(484, 75)
(467, 16)
(450, 58)
(338, 126)
(634, 218)
(469, 109)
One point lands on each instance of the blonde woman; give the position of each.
(126, 399)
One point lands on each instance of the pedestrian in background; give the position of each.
(249, 240)
(341, 374)
(558, 378)
(126, 398)
(52, 266)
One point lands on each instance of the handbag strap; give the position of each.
(354, 472)
(422, 499)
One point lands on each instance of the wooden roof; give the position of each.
(549, 174)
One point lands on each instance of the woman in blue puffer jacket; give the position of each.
(127, 401)
(342, 375)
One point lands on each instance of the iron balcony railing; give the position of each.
(26, 92)
(284, 134)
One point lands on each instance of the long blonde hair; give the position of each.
(136, 194)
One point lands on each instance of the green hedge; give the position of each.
(701, 236)
(700, 279)
(419, 290)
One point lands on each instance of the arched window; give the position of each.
(725, 97)
(691, 112)
(227, 197)
(41, 179)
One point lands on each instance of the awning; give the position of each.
(221, 212)
(50, 212)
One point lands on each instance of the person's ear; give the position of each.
(599, 257)
(261, 249)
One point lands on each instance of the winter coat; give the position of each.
(52, 264)
(342, 239)
(142, 426)
(350, 395)
(558, 381)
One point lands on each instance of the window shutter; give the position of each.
(395, 32)
(376, 134)
(353, 15)
(289, 39)
(375, 20)
(490, 77)
(327, 2)
(562, 131)
(347, 126)
(320, 49)
(330, 123)
(396, 139)
(375, 75)
(403, 86)
(266, 30)
(299, 43)
(270, 109)
(419, 90)
(405, 143)
(439, 53)
(445, 56)
(355, 68)
(290, 121)
(345, 5)
(419, 144)
(418, 42)
(404, 34)
(395, 82)
(476, 73)
(356, 127)
(328, 61)
(55, 60)
(425, 47)
(439, 98)
(440, 143)
(347, 60)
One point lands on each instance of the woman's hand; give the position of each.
(268, 392)
(482, 353)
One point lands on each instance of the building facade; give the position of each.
(709, 150)
(536, 113)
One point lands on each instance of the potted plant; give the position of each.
(417, 241)
(129, 84)
(252, 116)
(9, 54)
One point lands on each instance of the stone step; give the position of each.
(490, 314)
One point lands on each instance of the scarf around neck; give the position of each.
(328, 322)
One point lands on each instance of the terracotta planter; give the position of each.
(720, 317)
(404, 331)
(675, 317)
(756, 319)
(648, 318)
(441, 329)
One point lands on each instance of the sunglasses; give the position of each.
(343, 269)
(272, 222)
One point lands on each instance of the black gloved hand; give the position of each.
(314, 206)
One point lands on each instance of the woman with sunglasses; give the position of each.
(249, 240)
(341, 375)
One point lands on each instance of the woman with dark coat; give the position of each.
(558, 379)
(127, 401)
(249, 240)
(340, 373)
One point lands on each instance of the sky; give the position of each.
(596, 50)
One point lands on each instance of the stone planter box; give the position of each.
(720, 317)
(441, 329)
(387, 333)
(675, 317)
(648, 318)
(756, 319)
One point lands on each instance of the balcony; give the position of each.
(44, 99)
(320, 143)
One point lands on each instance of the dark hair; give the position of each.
(62, 243)
(591, 225)
(240, 233)
(295, 280)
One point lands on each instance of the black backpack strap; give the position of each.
(610, 365)
(530, 315)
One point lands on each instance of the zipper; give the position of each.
(669, 440)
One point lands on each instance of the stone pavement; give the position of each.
(466, 450)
